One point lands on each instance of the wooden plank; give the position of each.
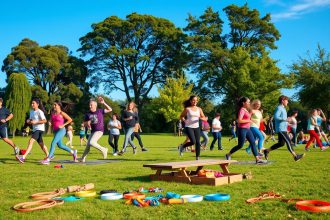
(192, 163)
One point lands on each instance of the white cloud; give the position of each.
(300, 8)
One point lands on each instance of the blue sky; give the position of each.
(302, 23)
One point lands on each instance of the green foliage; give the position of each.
(237, 64)
(171, 96)
(312, 76)
(48, 68)
(18, 97)
(133, 55)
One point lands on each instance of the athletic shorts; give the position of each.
(3, 132)
(81, 136)
(37, 135)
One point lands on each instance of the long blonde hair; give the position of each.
(254, 103)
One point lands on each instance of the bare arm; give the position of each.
(67, 118)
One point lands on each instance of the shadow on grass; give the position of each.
(143, 179)
(9, 160)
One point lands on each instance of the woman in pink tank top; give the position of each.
(58, 118)
(191, 115)
(243, 130)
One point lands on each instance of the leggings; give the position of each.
(245, 133)
(115, 138)
(137, 135)
(194, 139)
(283, 138)
(216, 137)
(258, 136)
(313, 136)
(92, 141)
(57, 140)
(128, 134)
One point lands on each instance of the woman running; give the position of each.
(129, 120)
(114, 126)
(233, 131)
(216, 131)
(293, 126)
(243, 130)
(5, 116)
(281, 127)
(191, 115)
(311, 127)
(137, 130)
(37, 119)
(59, 120)
(256, 119)
(94, 121)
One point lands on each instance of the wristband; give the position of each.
(171, 195)
(134, 196)
(85, 193)
(69, 199)
(111, 196)
(217, 197)
(192, 198)
(313, 206)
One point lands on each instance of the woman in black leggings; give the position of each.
(191, 115)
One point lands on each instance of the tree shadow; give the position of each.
(144, 179)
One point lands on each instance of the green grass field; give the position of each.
(307, 179)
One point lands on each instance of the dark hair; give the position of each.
(40, 105)
(240, 103)
(1, 100)
(294, 112)
(59, 103)
(115, 114)
(187, 103)
(217, 114)
(281, 98)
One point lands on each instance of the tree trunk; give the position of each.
(174, 127)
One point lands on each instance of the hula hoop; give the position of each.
(192, 198)
(69, 198)
(111, 196)
(47, 195)
(36, 205)
(170, 195)
(313, 206)
(134, 196)
(87, 193)
(217, 197)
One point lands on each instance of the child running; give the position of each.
(243, 130)
(82, 134)
(281, 127)
(58, 118)
(5, 116)
(37, 119)
(69, 134)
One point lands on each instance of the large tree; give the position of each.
(234, 64)
(49, 68)
(133, 55)
(171, 97)
(18, 97)
(312, 76)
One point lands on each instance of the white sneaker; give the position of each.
(115, 154)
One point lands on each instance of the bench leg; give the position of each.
(224, 168)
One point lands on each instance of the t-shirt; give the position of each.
(131, 122)
(4, 113)
(310, 126)
(114, 131)
(37, 115)
(216, 123)
(245, 115)
(96, 119)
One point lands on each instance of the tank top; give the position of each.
(57, 121)
(192, 120)
(256, 116)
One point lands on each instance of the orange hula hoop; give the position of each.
(313, 206)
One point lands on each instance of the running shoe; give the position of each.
(120, 153)
(134, 150)
(74, 155)
(45, 162)
(298, 157)
(248, 150)
(105, 153)
(261, 161)
(307, 149)
(266, 152)
(144, 149)
(220, 148)
(52, 157)
(324, 148)
(21, 159)
(181, 150)
(228, 157)
(115, 154)
(16, 151)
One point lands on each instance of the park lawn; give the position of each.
(307, 179)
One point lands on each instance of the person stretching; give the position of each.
(281, 127)
(6, 115)
(57, 121)
(37, 119)
(243, 130)
(191, 115)
(94, 121)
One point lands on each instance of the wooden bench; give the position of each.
(180, 173)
